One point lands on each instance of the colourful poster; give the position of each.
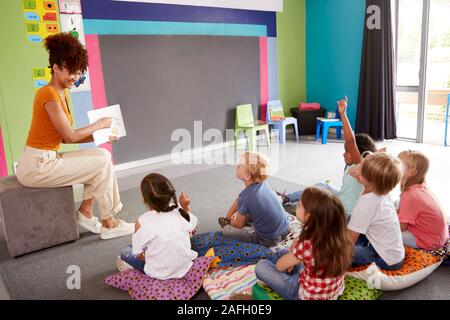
(69, 6)
(41, 19)
(41, 77)
(73, 23)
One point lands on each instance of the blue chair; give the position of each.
(275, 119)
(446, 120)
(323, 124)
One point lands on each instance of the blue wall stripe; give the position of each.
(118, 10)
(105, 27)
(272, 62)
(82, 103)
(333, 52)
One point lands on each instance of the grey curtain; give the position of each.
(376, 100)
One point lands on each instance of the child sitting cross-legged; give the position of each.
(161, 244)
(422, 219)
(315, 266)
(374, 227)
(256, 215)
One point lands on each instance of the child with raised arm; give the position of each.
(354, 149)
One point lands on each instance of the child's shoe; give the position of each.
(283, 197)
(122, 265)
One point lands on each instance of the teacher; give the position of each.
(42, 166)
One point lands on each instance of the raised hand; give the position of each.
(185, 201)
(342, 105)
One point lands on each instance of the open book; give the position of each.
(117, 127)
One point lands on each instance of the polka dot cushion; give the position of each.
(232, 253)
(416, 267)
(142, 287)
(356, 289)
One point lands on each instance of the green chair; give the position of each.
(246, 123)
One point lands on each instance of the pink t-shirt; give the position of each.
(426, 221)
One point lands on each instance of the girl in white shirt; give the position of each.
(161, 246)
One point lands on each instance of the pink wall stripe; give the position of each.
(3, 167)
(264, 76)
(96, 73)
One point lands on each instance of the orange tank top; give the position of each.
(42, 134)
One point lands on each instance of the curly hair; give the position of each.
(364, 143)
(66, 51)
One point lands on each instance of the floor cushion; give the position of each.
(232, 253)
(417, 266)
(223, 283)
(142, 287)
(355, 289)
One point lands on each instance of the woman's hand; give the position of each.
(185, 201)
(113, 139)
(105, 122)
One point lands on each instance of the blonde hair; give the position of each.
(256, 165)
(418, 163)
(382, 171)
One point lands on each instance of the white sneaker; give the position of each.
(122, 229)
(92, 224)
(122, 265)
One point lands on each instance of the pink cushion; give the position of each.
(141, 287)
(309, 106)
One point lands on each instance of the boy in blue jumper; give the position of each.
(256, 215)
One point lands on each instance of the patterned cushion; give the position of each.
(261, 291)
(416, 267)
(355, 289)
(224, 283)
(143, 287)
(231, 252)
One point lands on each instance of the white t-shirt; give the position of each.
(165, 238)
(375, 217)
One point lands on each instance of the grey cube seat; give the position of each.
(36, 218)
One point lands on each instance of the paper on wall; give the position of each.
(117, 127)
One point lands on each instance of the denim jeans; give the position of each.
(295, 196)
(364, 253)
(249, 234)
(127, 255)
(285, 284)
(409, 239)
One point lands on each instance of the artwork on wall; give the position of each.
(41, 77)
(73, 23)
(70, 6)
(41, 19)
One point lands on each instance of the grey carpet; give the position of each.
(42, 275)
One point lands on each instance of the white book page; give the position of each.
(117, 127)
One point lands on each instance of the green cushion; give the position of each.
(262, 292)
(356, 289)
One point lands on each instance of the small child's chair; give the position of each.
(246, 123)
(446, 120)
(326, 123)
(276, 119)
